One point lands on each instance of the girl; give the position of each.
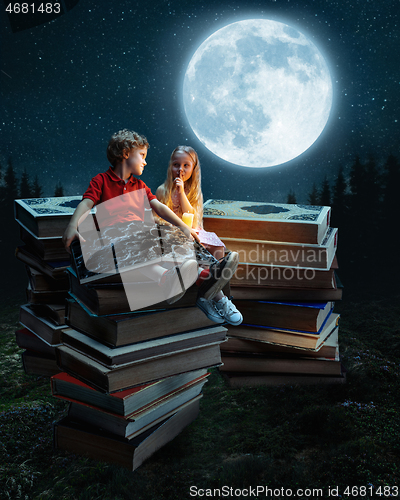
(181, 192)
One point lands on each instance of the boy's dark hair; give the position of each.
(123, 142)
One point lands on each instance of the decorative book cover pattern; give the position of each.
(63, 205)
(262, 211)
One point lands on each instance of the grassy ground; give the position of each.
(283, 437)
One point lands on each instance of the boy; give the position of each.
(127, 153)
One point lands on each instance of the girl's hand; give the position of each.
(179, 184)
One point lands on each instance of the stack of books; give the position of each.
(42, 222)
(285, 287)
(131, 365)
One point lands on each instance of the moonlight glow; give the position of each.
(257, 93)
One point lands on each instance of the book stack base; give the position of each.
(285, 287)
(133, 376)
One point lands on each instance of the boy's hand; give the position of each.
(69, 236)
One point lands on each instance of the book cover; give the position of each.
(46, 217)
(101, 445)
(266, 221)
(124, 402)
(286, 254)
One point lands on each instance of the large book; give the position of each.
(286, 254)
(113, 357)
(111, 298)
(110, 380)
(266, 221)
(253, 275)
(127, 401)
(44, 248)
(134, 424)
(54, 269)
(31, 342)
(306, 316)
(118, 254)
(40, 282)
(45, 296)
(46, 217)
(55, 313)
(32, 319)
(263, 363)
(287, 294)
(35, 363)
(121, 329)
(238, 380)
(327, 349)
(100, 445)
(295, 338)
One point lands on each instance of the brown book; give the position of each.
(306, 316)
(129, 375)
(46, 217)
(54, 269)
(237, 380)
(292, 338)
(44, 328)
(286, 294)
(55, 313)
(240, 346)
(100, 445)
(122, 329)
(44, 248)
(286, 254)
(46, 296)
(134, 424)
(40, 282)
(114, 357)
(111, 298)
(260, 276)
(263, 363)
(38, 364)
(127, 401)
(266, 221)
(31, 342)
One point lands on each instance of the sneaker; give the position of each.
(228, 311)
(219, 274)
(177, 280)
(208, 308)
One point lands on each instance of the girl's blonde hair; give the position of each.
(192, 185)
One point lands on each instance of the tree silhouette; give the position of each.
(37, 191)
(325, 195)
(391, 184)
(291, 198)
(313, 196)
(25, 189)
(356, 176)
(59, 190)
(11, 183)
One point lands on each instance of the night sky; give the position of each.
(67, 85)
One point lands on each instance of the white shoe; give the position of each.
(209, 309)
(228, 311)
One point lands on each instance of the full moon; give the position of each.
(257, 93)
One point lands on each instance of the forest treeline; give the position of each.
(364, 208)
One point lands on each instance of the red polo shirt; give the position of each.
(118, 201)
